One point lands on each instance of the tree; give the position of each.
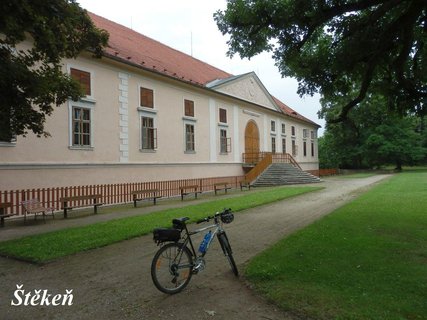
(373, 136)
(394, 141)
(335, 47)
(31, 79)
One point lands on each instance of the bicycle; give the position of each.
(176, 261)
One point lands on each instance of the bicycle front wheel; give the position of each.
(171, 268)
(226, 248)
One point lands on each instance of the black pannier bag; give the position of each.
(166, 234)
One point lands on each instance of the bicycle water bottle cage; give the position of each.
(179, 223)
(166, 234)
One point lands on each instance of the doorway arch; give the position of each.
(251, 142)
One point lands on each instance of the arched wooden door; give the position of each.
(251, 142)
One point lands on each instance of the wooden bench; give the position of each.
(185, 190)
(34, 206)
(245, 184)
(95, 197)
(3, 214)
(221, 186)
(149, 194)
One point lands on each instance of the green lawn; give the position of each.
(53, 245)
(367, 260)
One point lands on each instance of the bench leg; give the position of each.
(65, 213)
(95, 209)
(195, 194)
(2, 222)
(134, 203)
(182, 196)
(154, 200)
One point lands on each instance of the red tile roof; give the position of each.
(132, 47)
(138, 49)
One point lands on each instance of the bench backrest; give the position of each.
(32, 205)
(145, 191)
(5, 205)
(88, 197)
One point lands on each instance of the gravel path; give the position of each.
(114, 282)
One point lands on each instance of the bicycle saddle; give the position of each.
(179, 223)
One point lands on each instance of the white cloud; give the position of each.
(188, 26)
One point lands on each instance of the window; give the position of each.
(312, 149)
(225, 143)
(7, 136)
(188, 108)
(81, 127)
(222, 115)
(273, 144)
(283, 128)
(146, 98)
(148, 134)
(83, 78)
(273, 126)
(293, 130)
(313, 135)
(294, 149)
(304, 145)
(189, 138)
(283, 145)
(305, 133)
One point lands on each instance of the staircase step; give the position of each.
(284, 174)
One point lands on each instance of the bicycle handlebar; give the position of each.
(208, 218)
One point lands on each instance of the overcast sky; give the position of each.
(188, 26)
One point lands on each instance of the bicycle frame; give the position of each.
(187, 238)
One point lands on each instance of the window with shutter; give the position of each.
(83, 78)
(223, 115)
(146, 98)
(273, 126)
(189, 108)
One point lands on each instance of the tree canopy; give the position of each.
(339, 48)
(373, 136)
(31, 79)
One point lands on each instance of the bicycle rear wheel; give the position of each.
(226, 248)
(171, 268)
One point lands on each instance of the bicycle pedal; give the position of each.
(199, 265)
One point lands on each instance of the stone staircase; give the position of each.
(283, 174)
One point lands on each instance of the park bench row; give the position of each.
(35, 207)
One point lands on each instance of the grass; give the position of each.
(366, 260)
(49, 246)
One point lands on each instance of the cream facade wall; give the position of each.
(115, 153)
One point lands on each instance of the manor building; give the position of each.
(152, 113)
